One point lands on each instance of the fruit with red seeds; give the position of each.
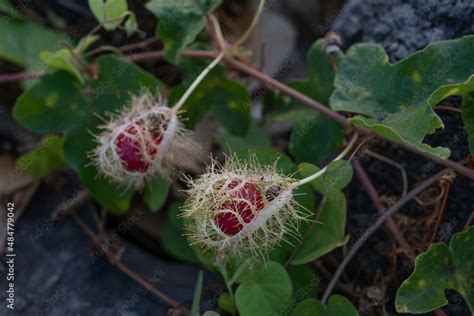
(228, 222)
(130, 149)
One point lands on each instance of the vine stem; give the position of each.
(373, 195)
(365, 236)
(323, 170)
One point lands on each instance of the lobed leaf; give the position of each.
(396, 100)
(439, 268)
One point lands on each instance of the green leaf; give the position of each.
(22, 41)
(337, 177)
(109, 12)
(439, 268)
(267, 294)
(305, 283)
(172, 238)
(467, 108)
(197, 295)
(179, 23)
(337, 305)
(321, 72)
(328, 233)
(230, 103)
(226, 99)
(45, 158)
(256, 136)
(314, 138)
(395, 100)
(55, 102)
(156, 193)
(210, 313)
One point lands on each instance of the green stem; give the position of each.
(196, 82)
(323, 171)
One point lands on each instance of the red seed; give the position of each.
(131, 151)
(228, 222)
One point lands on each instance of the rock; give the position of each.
(403, 27)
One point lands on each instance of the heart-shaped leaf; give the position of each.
(337, 305)
(439, 268)
(328, 234)
(395, 100)
(267, 292)
(109, 12)
(305, 283)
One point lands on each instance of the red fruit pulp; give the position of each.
(228, 222)
(131, 152)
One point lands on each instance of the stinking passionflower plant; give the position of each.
(142, 141)
(244, 208)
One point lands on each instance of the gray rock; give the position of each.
(404, 26)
